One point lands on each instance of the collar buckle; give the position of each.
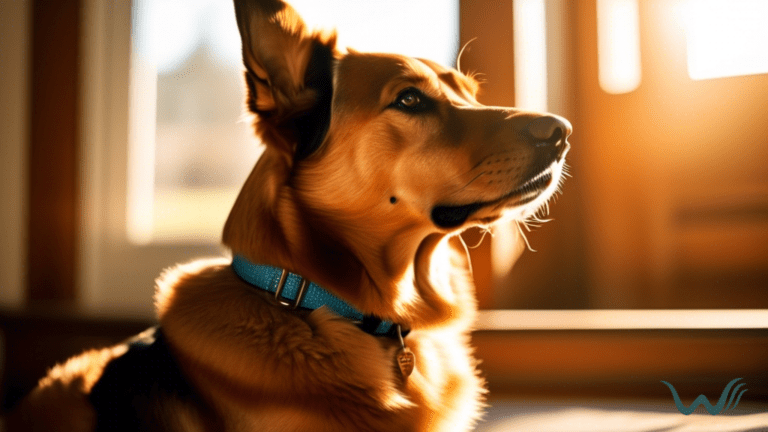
(305, 294)
(285, 301)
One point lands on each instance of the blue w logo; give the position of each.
(702, 400)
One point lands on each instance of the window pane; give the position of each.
(189, 153)
(726, 38)
(618, 45)
(530, 33)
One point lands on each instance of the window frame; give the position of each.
(104, 245)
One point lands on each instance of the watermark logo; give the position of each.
(726, 395)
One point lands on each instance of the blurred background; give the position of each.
(123, 149)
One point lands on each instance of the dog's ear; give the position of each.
(288, 73)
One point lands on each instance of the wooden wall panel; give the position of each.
(675, 184)
(53, 204)
(486, 34)
(623, 363)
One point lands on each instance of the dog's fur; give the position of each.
(374, 163)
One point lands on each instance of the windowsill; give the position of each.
(619, 319)
(504, 320)
(622, 353)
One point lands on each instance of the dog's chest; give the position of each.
(440, 395)
(262, 367)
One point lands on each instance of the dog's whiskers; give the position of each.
(458, 57)
(485, 231)
(466, 252)
(566, 170)
(522, 234)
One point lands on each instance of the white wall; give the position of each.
(15, 28)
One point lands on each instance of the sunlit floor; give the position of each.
(618, 416)
(613, 416)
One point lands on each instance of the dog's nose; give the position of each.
(549, 130)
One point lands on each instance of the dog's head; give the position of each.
(375, 156)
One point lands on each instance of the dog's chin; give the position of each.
(519, 204)
(530, 204)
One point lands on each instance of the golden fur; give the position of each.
(360, 215)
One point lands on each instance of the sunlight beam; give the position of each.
(618, 45)
(530, 45)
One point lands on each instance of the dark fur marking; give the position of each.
(127, 394)
(312, 126)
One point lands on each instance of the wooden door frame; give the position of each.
(53, 167)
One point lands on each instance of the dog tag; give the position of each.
(406, 360)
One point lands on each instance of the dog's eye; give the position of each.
(411, 100)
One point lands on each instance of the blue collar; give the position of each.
(294, 291)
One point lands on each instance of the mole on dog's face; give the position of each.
(421, 147)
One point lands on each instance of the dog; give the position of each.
(347, 302)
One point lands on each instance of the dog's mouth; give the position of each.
(451, 216)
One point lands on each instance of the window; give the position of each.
(723, 39)
(188, 153)
(726, 38)
(159, 178)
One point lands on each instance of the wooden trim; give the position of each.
(488, 24)
(53, 213)
(623, 319)
(622, 363)
(14, 141)
(485, 33)
(37, 338)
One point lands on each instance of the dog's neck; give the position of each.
(295, 292)
(405, 277)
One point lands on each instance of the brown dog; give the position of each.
(374, 163)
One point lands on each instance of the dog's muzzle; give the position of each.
(548, 134)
